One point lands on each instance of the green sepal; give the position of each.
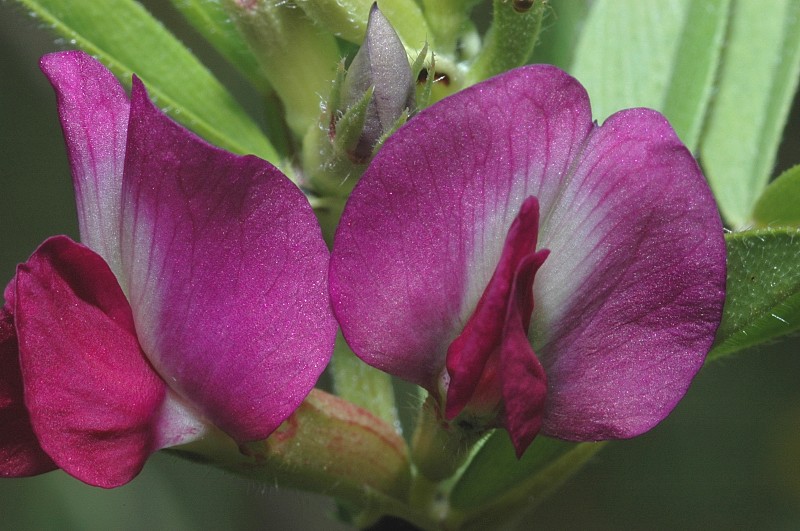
(401, 120)
(763, 292)
(423, 97)
(334, 102)
(780, 203)
(128, 40)
(419, 62)
(349, 127)
(438, 447)
(328, 445)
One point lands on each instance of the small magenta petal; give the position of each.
(92, 396)
(524, 381)
(20, 452)
(505, 306)
(226, 271)
(93, 108)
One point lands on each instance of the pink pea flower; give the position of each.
(531, 269)
(198, 297)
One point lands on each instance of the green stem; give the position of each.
(447, 20)
(510, 41)
(438, 447)
(298, 58)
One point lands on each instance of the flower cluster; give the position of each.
(532, 270)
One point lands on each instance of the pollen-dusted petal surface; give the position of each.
(626, 303)
(20, 452)
(423, 231)
(93, 108)
(226, 274)
(92, 396)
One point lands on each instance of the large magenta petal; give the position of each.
(20, 452)
(93, 399)
(626, 304)
(93, 108)
(422, 233)
(226, 271)
(632, 293)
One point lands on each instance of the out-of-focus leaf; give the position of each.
(662, 55)
(780, 202)
(763, 293)
(560, 36)
(626, 53)
(212, 21)
(127, 39)
(758, 78)
(695, 68)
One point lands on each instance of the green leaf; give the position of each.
(695, 68)
(626, 53)
(780, 202)
(662, 55)
(763, 293)
(496, 486)
(758, 78)
(363, 385)
(214, 24)
(127, 39)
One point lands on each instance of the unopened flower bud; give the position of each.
(381, 65)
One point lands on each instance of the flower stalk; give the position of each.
(297, 57)
(510, 41)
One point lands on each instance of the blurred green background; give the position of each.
(727, 458)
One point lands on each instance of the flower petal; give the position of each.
(226, 273)
(504, 308)
(93, 108)
(20, 452)
(630, 298)
(423, 231)
(93, 398)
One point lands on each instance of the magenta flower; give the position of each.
(530, 269)
(198, 298)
